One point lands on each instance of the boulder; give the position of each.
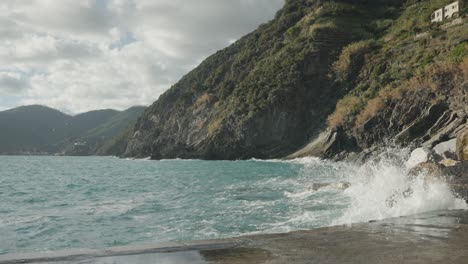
(462, 145)
(446, 150)
(418, 156)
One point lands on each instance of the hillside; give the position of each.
(38, 129)
(410, 88)
(349, 74)
(265, 95)
(31, 128)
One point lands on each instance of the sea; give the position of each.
(56, 203)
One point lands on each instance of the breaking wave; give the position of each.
(384, 187)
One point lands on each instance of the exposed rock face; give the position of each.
(414, 120)
(327, 144)
(462, 145)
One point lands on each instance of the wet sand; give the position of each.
(436, 237)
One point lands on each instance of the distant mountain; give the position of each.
(39, 129)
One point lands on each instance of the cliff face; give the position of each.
(408, 87)
(267, 94)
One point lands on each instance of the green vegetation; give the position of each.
(398, 65)
(351, 59)
(436, 78)
(317, 64)
(459, 52)
(346, 108)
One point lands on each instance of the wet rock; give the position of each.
(446, 150)
(458, 173)
(336, 185)
(418, 156)
(458, 178)
(460, 190)
(462, 145)
(428, 168)
(448, 162)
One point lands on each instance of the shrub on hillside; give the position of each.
(351, 59)
(439, 78)
(345, 108)
(460, 52)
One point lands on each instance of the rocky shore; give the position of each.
(447, 160)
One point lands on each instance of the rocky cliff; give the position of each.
(264, 96)
(410, 89)
(332, 79)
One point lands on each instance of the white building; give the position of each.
(451, 10)
(438, 16)
(447, 12)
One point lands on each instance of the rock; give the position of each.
(448, 162)
(443, 129)
(418, 156)
(461, 190)
(446, 150)
(462, 145)
(428, 168)
(458, 178)
(336, 185)
(327, 145)
(458, 172)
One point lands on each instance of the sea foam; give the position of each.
(382, 188)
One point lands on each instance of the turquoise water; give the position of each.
(50, 203)
(53, 203)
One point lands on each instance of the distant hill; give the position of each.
(37, 129)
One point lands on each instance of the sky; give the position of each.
(81, 55)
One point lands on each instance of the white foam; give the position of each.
(382, 189)
(299, 195)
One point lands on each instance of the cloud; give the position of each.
(90, 54)
(12, 83)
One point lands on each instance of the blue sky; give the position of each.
(80, 55)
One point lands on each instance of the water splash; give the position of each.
(382, 188)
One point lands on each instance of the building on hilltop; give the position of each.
(437, 16)
(451, 10)
(448, 12)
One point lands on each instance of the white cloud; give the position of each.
(78, 55)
